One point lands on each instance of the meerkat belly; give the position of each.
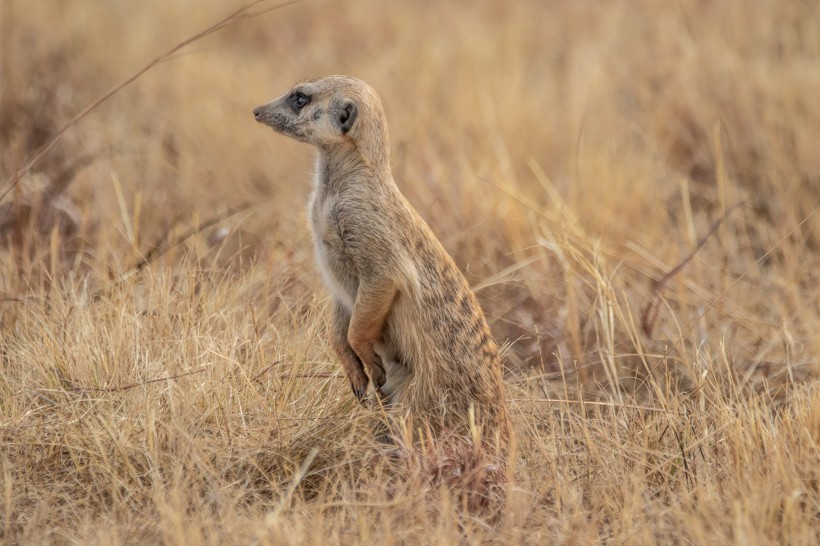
(334, 265)
(335, 275)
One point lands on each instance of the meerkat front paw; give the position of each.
(358, 382)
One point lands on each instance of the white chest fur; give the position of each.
(329, 248)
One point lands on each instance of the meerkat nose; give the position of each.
(256, 112)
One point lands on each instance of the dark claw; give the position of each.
(360, 393)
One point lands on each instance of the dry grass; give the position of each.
(569, 154)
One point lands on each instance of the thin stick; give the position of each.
(240, 14)
(650, 312)
(135, 385)
(593, 403)
(162, 245)
(266, 370)
(317, 375)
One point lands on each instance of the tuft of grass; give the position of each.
(166, 375)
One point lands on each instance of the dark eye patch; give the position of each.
(298, 100)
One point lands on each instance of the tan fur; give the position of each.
(403, 314)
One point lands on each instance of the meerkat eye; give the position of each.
(298, 101)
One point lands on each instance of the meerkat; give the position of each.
(404, 316)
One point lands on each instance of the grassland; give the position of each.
(165, 375)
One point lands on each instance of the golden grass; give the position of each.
(568, 154)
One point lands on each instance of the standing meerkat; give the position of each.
(404, 316)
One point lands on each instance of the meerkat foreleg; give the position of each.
(350, 361)
(373, 303)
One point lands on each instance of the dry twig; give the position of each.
(650, 311)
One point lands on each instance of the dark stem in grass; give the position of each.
(137, 384)
(163, 245)
(650, 311)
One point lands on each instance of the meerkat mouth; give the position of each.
(267, 115)
(262, 114)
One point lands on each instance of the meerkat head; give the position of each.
(329, 112)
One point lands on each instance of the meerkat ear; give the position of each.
(346, 116)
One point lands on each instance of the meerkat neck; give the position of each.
(336, 167)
